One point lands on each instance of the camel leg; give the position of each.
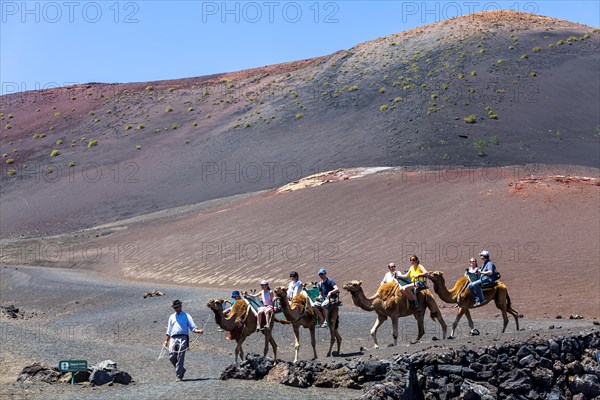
(238, 349)
(297, 341)
(313, 340)
(461, 312)
(443, 324)
(469, 319)
(269, 339)
(514, 314)
(380, 320)
(420, 317)
(395, 329)
(334, 334)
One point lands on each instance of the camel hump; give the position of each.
(386, 289)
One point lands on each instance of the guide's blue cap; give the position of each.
(322, 271)
(235, 293)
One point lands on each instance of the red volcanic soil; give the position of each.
(541, 226)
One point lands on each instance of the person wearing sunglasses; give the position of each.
(391, 275)
(417, 274)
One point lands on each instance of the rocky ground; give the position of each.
(82, 315)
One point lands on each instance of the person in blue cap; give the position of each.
(235, 296)
(328, 294)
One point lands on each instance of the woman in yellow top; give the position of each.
(417, 274)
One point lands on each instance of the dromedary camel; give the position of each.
(389, 302)
(241, 323)
(299, 314)
(462, 296)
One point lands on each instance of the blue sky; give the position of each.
(57, 43)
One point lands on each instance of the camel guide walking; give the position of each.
(177, 339)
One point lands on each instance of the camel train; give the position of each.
(390, 301)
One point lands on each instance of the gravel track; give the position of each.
(76, 314)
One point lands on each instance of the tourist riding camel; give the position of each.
(389, 302)
(299, 313)
(240, 323)
(460, 294)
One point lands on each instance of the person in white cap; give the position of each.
(487, 274)
(267, 309)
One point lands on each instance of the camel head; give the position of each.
(353, 286)
(436, 276)
(280, 291)
(215, 304)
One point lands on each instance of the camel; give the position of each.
(299, 314)
(461, 295)
(389, 302)
(243, 322)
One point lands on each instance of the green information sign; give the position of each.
(72, 366)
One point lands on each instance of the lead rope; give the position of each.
(190, 342)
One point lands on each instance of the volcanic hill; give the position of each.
(489, 89)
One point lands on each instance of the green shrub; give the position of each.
(397, 99)
(495, 140)
(59, 142)
(537, 49)
(473, 73)
(92, 143)
(382, 90)
(71, 164)
(533, 74)
(54, 153)
(383, 107)
(10, 161)
(524, 56)
(470, 119)
(174, 126)
(149, 88)
(480, 146)
(140, 127)
(460, 76)
(128, 127)
(299, 115)
(169, 109)
(57, 114)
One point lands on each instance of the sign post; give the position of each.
(72, 366)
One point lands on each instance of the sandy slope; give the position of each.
(540, 229)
